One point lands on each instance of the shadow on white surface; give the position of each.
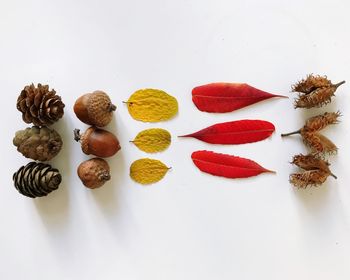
(54, 209)
(315, 198)
(107, 196)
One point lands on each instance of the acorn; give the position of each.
(97, 142)
(94, 173)
(94, 108)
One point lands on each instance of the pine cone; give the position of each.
(38, 143)
(39, 105)
(36, 179)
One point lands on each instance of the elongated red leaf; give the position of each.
(226, 165)
(227, 97)
(236, 132)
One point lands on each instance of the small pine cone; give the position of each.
(38, 143)
(36, 179)
(39, 105)
(319, 122)
(314, 91)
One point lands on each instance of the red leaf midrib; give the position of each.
(232, 166)
(238, 132)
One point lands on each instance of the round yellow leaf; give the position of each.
(147, 171)
(152, 105)
(152, 140)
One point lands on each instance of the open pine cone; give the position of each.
(39, 105)
(36, 179)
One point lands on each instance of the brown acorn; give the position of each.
(94, 108)
(97, 142)
(94, 173)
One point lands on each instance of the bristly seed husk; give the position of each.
(316, 171)
(320, 122)
(314, 91)
(318, 143)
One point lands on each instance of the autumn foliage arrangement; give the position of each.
(223, 98)
(151, 105)
(43, 107)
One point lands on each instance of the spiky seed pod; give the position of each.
(311, 83)
(318, 143)
(38, 143)
(39, 105)
(320, 122)
(94, 108)
(316, 171)
(36, 179)
(310, 162)
(314, 91)
(310, 178)
(94, 172)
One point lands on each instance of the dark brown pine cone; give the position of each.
(36, 179)
(39, 105)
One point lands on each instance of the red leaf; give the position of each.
(226, 165)
(236, 132)
(227, 97)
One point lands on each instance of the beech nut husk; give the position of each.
(94, 108)
(94, 173)
(98, 142)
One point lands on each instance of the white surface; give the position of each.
(190, 225)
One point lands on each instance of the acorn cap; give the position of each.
(100, 108)
(83, 138)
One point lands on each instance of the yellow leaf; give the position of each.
(152, 140)
(152, 105)
(147, 171)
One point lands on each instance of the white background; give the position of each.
(190, 225)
